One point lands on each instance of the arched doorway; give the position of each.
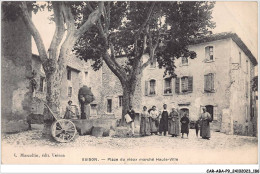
(183, 111)
(210, 110)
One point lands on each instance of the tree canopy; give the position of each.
(163, 30)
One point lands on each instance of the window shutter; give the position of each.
(177, 85)
(155, 88)
(206, 82)
(207, 53)
(190, 83)
(212, 82)
(146, 88)
(209, 81)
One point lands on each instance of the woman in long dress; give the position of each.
(173, 127)
(185, 125)
(145, 123)
(154, 120)
(205, 118)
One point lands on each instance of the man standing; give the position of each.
(205, 118)
(131, 124)
(163, 127)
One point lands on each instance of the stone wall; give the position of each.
(81, 74)
(112, 89)
(243, 106)
(16, 68)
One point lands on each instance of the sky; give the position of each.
(240, 17)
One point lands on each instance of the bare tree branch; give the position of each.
(138, 33)
(92, 19)
(59, 31)
(146, 21)
(89, 6)
(34, 32)
(68, 17)
(110, 58)
(113, 66)
(145, 64)
(108, 15)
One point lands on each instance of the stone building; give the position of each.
(219, 78)
(78, 73)
(23, 79)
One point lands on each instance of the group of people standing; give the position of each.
(154, 122)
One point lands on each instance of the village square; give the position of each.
(126, 79)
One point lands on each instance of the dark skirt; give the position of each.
(185, 128)
(173, 127)
(145, 126)
(205, 129)
(163, 125)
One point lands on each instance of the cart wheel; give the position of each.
(63, 130)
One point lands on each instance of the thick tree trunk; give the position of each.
(54, 71)
(53, 91)
(128, 96)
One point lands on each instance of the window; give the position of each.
(42, 84)
(69, 91)
(153, 63)
(184, 84)
(93, 109)
(120, 101)
(184, 60)
(109, 105)
(152, 87)
(68, 74)
(209, 53)
(209, 82)
(167, 86)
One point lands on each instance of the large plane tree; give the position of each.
(162, 30)
(69, 28)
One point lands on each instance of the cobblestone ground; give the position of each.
(219, 144)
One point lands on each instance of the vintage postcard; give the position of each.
(129, 82)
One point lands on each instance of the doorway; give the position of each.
(184, 111)
(210, 110)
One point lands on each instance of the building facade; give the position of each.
(219, 78)
(78, 73)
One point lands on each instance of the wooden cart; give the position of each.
(62, 130)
